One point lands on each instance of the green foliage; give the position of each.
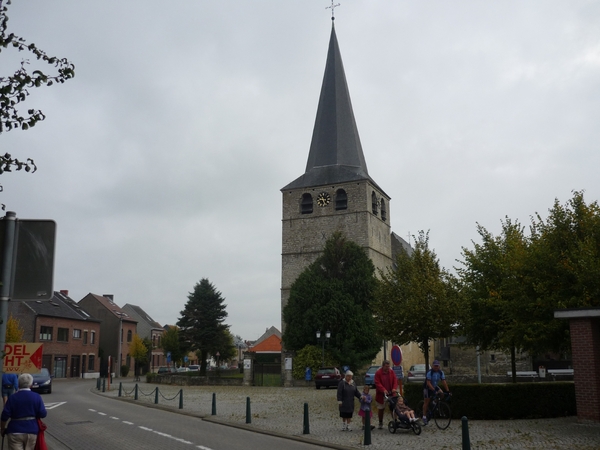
(202, 327)
(417, 300)
(171, 343)
(335, 293)
(496, 285)
(138, 350)
(124, 370)
(501, 401)
(310, 356)
(14, 89)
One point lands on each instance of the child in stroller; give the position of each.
(402, 416)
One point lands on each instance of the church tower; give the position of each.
(335, 193)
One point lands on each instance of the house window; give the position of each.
(374, 203)
(85, 336)
(62, 335)
(76, 334)
(129, 336)
(91, 363)
(93, 338)
(159, 341)
(341, 200)
(383, 210)
(306, 207)
(45, 333)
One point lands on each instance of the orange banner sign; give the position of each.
(22, 358)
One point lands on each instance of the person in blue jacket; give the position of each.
(23, 409)
(10, 385)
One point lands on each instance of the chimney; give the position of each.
(64, 292)
(111, 297)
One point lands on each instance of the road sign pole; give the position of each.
(6, 277)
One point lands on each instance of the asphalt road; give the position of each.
(80, 420)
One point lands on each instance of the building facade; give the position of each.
(69, 334)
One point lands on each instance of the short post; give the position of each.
(306, 429)
(156, 396)
(135, 397)
(248, 413)
(120, 389)
(180, 398)
(98, 383)
(367, 437)
(104, 385)
(466, 442)
(214, 404)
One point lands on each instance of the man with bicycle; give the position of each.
(434, 376)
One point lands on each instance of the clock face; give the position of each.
(323, 199)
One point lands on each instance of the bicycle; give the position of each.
(439, 410)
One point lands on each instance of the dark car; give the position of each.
(416, 373)
(370, 376)
(327, 376)
(165, 369)
(42, 382)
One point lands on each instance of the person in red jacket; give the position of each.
(386, 383)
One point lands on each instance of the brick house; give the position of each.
(69, 334)
(117, 330)
(152, 330)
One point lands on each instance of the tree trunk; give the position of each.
(513, 364)
(426, 352)
(203, 355)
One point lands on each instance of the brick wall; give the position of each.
(585, 345)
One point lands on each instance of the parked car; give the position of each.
(194, 368)
(165, 369)
(327, 376)
(370, 376)
(183, 369)
(416, 373)
(42, 382)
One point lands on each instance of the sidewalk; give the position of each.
(280, 411)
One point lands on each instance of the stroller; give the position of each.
(400, 421)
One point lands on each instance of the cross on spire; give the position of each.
(332, 7)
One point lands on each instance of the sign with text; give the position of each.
(22, 358)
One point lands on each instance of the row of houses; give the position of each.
(79, 338)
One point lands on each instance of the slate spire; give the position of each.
(336, 154)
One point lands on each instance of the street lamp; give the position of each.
(325, 338)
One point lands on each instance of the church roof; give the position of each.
(336, 154)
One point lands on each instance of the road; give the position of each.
(81, 420)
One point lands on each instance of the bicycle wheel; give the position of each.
(442, 415)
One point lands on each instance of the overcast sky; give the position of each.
(163, 159)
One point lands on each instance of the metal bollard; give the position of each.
(104, 385)
(181, 399)
(306, 429)
(136, 392)
(156, 396)
(466, 442)
(367, 437)
(120, 389)
(214, 404)
(248, 413)
(98, 382)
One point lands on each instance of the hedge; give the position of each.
(502, 401)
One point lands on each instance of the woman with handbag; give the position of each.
(22, 411)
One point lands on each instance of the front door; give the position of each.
(75, 366)
(60, 367)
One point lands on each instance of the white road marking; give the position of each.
(127, 423)
(203, 447)
(101, 413)
(92, 410)
(114, 418)
(183, 441)
(54, 405)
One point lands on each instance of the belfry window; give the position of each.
(374, 202)
(383, 210)
(306, 207)
(341, 200)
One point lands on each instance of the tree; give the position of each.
(565, 265)
(14, 332)
(14, 89)
(334, 294)
(417, 300)
(139, 351)
(202, 326)
(171, 344)
(497, 288)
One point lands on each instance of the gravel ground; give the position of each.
(280, 411)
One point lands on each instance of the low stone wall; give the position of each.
(180, 380)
